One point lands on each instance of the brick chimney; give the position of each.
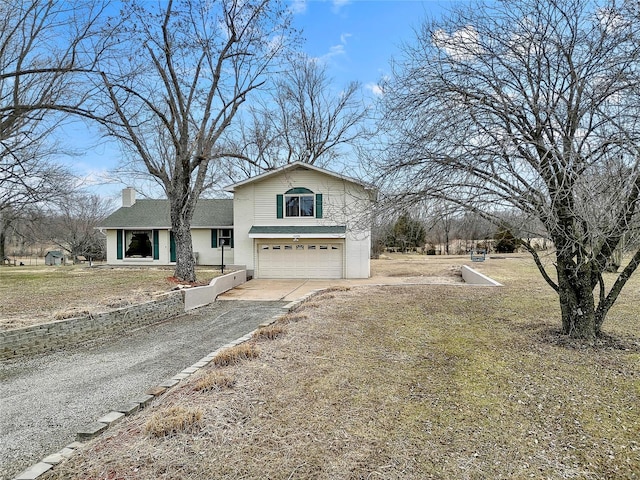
(128, 196)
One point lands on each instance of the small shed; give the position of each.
(54, 257)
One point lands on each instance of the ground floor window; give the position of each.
(138, 243)
(222, 236)
(225, 237)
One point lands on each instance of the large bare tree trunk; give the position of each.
(576, 299)
(185, 262)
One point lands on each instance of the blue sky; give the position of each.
(355, 38)
(358, 38)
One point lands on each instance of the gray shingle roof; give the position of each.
(155, 214)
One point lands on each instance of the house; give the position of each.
(54, 257)
(299, 221)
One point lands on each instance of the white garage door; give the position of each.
(302, 259)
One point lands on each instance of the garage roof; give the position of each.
(298, 231)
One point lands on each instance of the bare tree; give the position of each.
(175, 77)
(530, 107)
(28, 177)
(43, 61)
(303, 120)
(71, 225)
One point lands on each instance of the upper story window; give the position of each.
(299, 205)
(299, 202)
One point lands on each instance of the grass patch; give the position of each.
(235, 355)
(340, 288)
(411, 382)
(171, 421)
(308, 305)
(270, 333)
(293, 317)
(323, 297)
(70, 314)
(214, 380)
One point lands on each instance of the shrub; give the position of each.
(292, 317)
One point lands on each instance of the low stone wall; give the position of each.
(200, 296)
(472, 277)
(55, 335)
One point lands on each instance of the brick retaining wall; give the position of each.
(55, 335)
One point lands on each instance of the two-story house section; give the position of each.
(301, 221)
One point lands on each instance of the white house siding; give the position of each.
(207, 255)
(243, 207)
(358, 251)
(344, 203)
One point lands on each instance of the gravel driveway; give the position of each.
(45, 399)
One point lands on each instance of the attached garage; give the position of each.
(311, 252)
(301, 259)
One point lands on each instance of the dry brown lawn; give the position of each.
(401, 382)
(36, 294)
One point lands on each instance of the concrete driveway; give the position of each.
(288, 290)
(46, 399)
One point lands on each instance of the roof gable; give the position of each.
(147, 213)
(294, 166)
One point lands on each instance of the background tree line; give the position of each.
(68, 226)
(433, 232)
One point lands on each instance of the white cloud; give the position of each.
(298, 7)
(462, 45)
(336, 50)
(611, 19)
(338, 4)
(375, 88)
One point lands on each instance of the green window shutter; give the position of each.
(119, 242)
(214, 238)
(172, 247)
(156, 245)
(318, 205)
(279, 203)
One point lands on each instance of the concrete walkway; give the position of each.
(46, 399)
